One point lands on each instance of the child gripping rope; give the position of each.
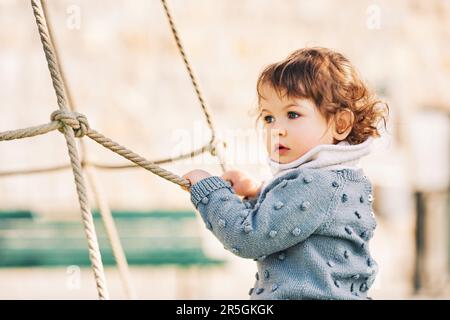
(308, 227)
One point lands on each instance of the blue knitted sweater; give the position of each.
(308, 230)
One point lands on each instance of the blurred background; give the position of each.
(127, 77)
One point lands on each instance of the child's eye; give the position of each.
(293, 115)
(268, 119)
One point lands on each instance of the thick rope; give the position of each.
(134, 157)
(29, 132)
(80, 126)
(113, 234)
(105, 212)
(89, 227)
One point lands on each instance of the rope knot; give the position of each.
(77, 121)
(217, 146)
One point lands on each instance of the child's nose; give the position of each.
(278, 132)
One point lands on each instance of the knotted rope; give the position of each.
(64, 120)
(78, 122)
(100, 199)
(89, 227)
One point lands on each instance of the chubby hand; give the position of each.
(242, 183)
(195, 176)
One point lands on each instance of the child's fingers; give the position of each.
(190, 183)
(227, 177)
(230, 176)
(230, 181)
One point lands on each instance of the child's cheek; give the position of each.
(304, 139)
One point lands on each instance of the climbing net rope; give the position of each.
(75, 125)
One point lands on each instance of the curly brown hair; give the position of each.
(331, 81)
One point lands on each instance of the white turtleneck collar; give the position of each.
(325, 156)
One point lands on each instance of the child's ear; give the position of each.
(343, 124)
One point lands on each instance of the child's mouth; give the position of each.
(281, 149)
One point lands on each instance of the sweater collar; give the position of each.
(326, 156)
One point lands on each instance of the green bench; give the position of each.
(148, 238)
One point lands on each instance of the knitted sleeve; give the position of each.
(286, 214)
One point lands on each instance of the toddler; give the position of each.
(308, 228)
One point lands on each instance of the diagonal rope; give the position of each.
(78, 122)
(134, 157)
(218, 152)
(94, 250)
(205, 109)
(105, 212)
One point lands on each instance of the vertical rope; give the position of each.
(94, 251)
(105, 212)
(113, 235)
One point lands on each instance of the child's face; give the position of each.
(294, 123)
